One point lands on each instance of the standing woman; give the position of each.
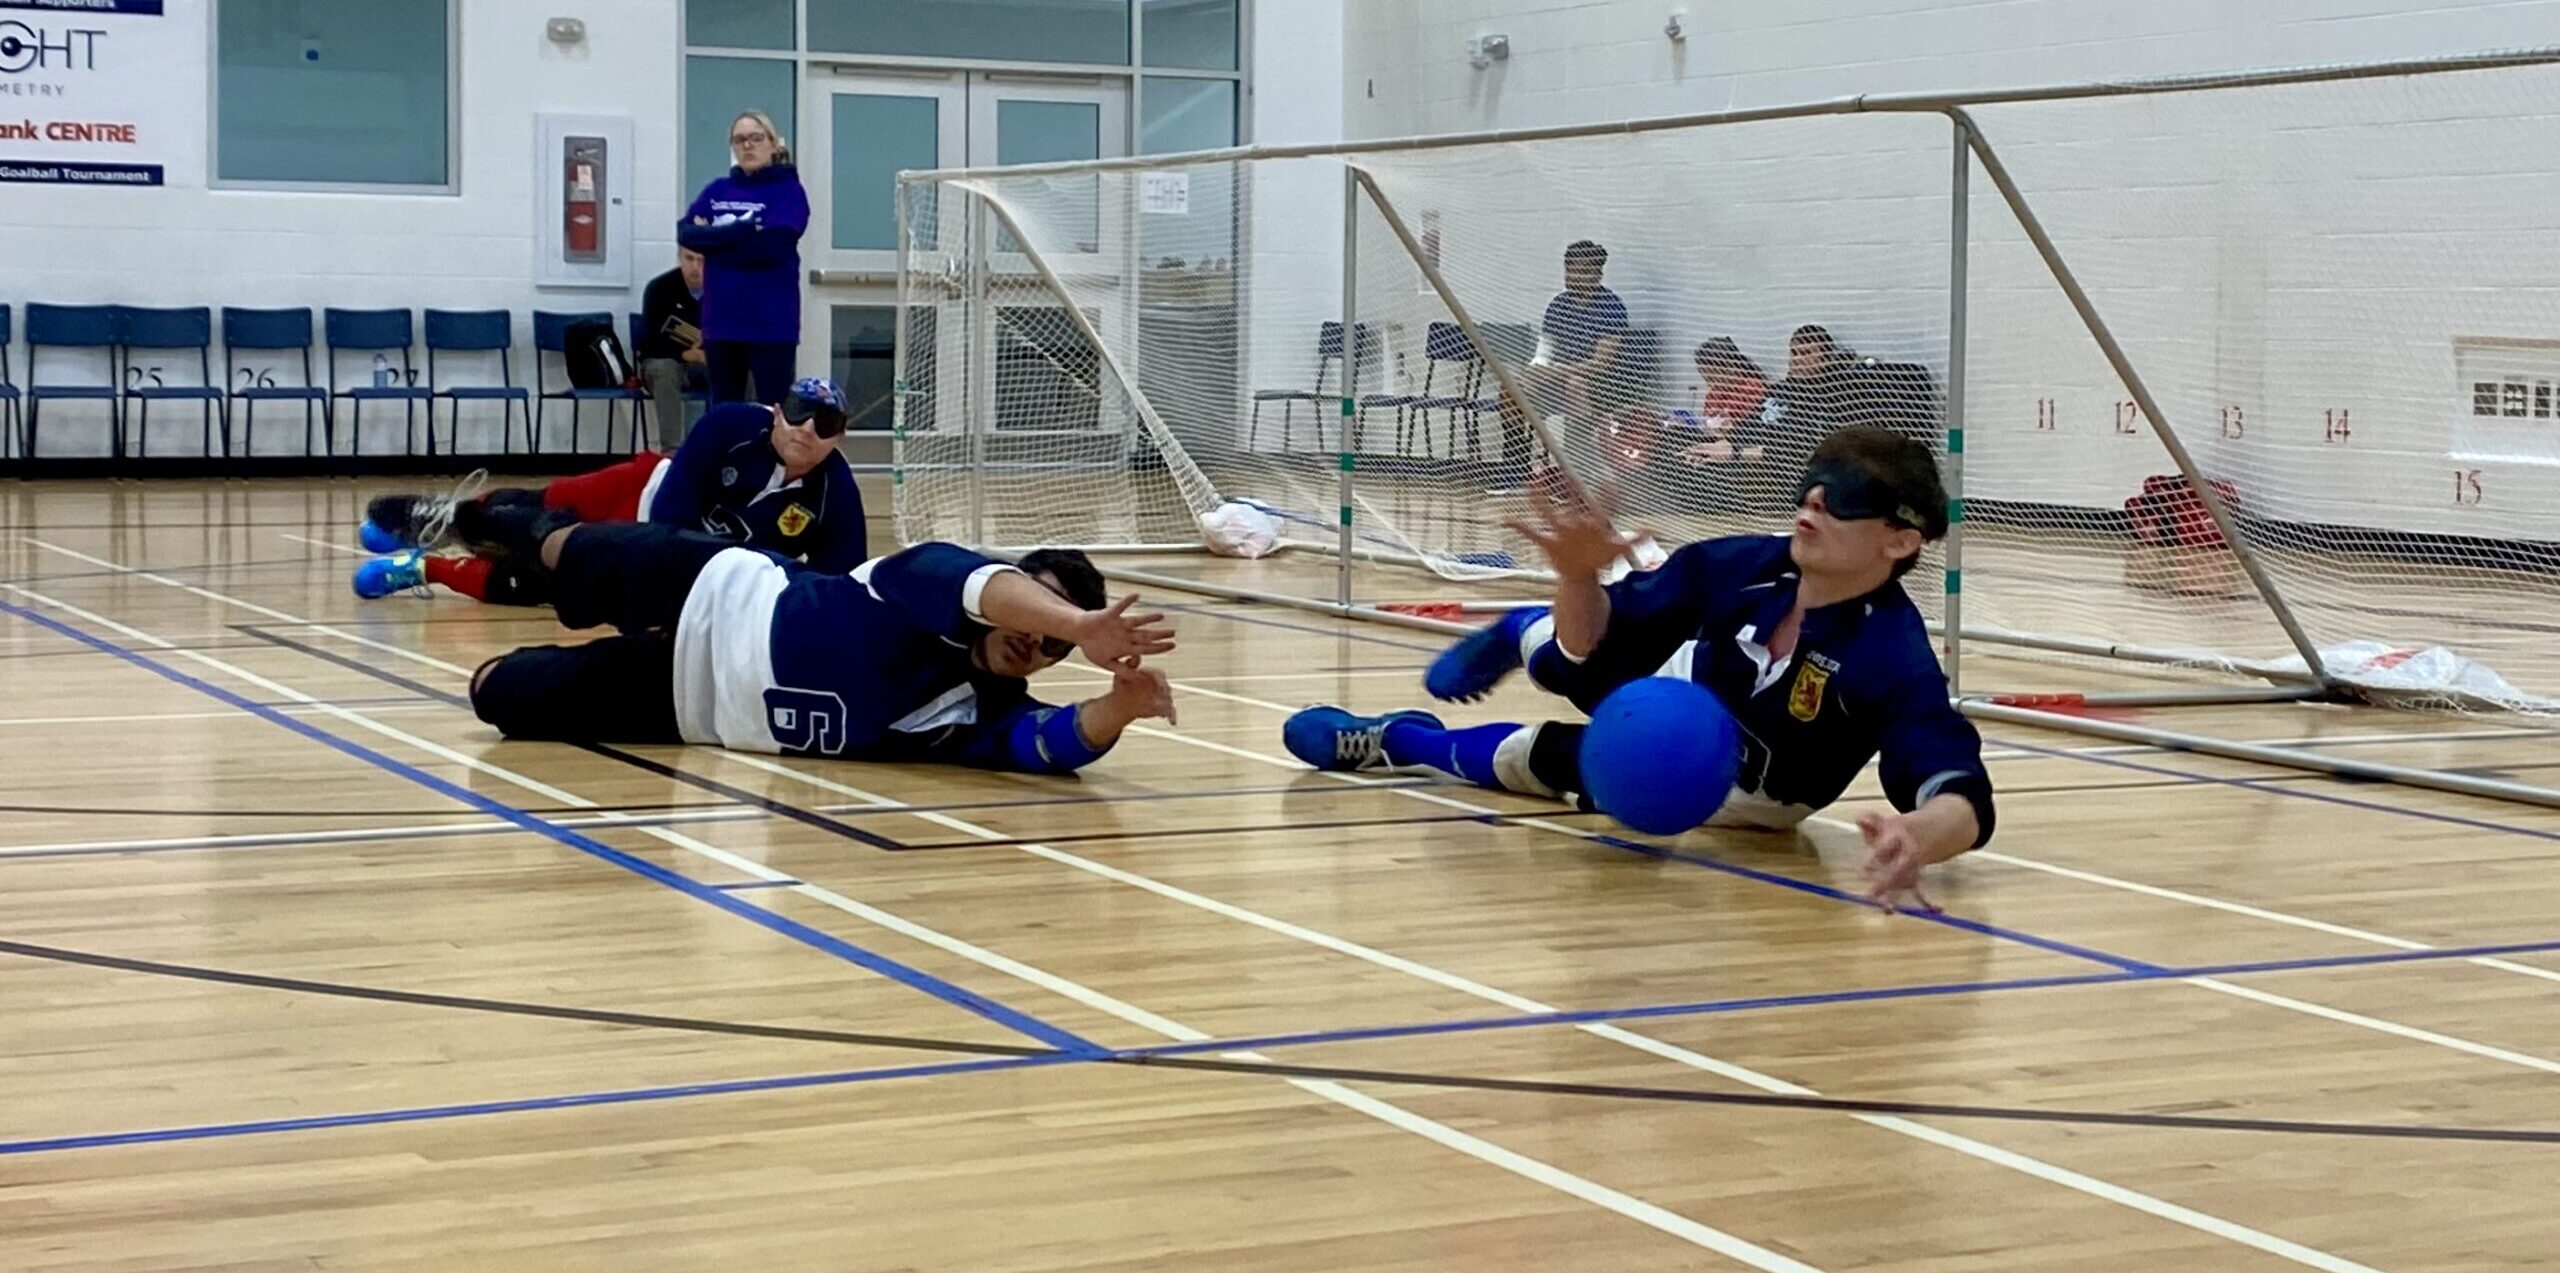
(747, 226)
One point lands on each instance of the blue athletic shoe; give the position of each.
(1468, 670)
(1331, 738)
(379, 539)
(399, 572)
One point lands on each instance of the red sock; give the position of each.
(466, 575)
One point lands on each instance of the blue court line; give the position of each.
(1316, 1038)
(914, 978)
(584, 1100)
(1931, 990)
(2373, 806)
(1838, 895)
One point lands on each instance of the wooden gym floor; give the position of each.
(301, 968)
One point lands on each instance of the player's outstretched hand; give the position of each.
(1894, 859)
(1115, 638)
(1143, 693)
(1577, 539)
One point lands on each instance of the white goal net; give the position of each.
(2338, 293)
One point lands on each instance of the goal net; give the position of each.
(2338, 295)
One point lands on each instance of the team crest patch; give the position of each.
(1804, 698)
(794, 520)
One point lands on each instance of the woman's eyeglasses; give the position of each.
(750, 139)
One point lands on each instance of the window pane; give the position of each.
(1187, 115)
(350, 91)
(715, 90)
(1033, 132)
(875, 137)
(1094, 31)
(1197, 34)
(740, 24)
(1193, 237)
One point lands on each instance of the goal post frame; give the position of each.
(1970, 145)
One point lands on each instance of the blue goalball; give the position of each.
(1660, 755)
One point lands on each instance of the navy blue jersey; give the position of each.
(872, 665)
(722, 482)
(1575, 327)
(1862, 682)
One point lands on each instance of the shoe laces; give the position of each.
(1363, 746)
(439, 510)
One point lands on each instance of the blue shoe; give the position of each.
(379, 539)
(1331, 738)
(1470, 669)
(399, 572)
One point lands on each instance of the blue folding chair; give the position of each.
(378, 332)
(551, 336)
(172, 331)
(73, 327)
(483, 331)
(280, 331)
(10, 421)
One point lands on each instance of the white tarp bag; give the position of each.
(2428, 671)
(1239, 530)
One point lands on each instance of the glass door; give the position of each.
(1047, 378)
(862, 129)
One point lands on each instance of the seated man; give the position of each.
(1807, 639)
(1575, 335)
(921, 656)
(768, 477)
(670, 352)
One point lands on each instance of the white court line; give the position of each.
(254, 608)
(1521, 1165)
(1988, 855)
(322, 543)
(2255, 912)
(296, 709)
(2051, 1173)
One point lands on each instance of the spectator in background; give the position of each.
(1812, 401)
(1728, 444)
(1575, 337)
(747, 226)
(670, 353)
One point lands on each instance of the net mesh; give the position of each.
(2337, 293)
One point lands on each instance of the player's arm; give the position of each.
(1035, 737)
(1931, 764)
(952, 592)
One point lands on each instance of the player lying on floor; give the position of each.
(768, 477)
(917, 657)
(1807, 639)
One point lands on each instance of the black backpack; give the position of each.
(593, 355)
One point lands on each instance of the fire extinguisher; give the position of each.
(585, 224)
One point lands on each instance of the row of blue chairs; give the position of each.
(383, 338)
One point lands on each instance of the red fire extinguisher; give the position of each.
(585, 187)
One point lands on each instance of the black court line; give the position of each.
(1275, 1069)
(1268, 828)
(740, 795)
